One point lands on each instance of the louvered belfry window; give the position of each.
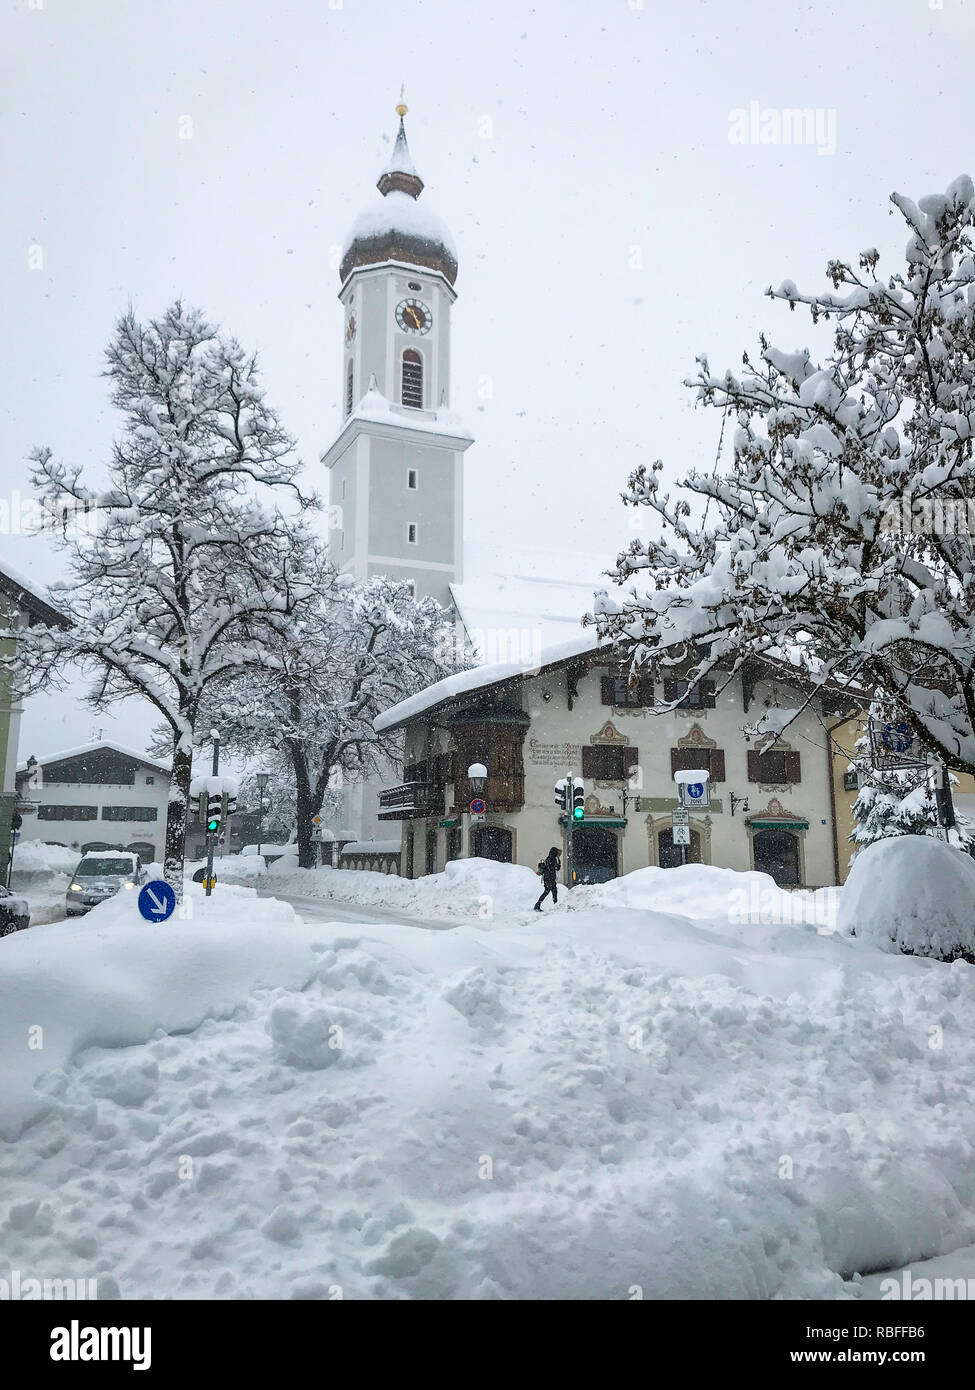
(412, 379)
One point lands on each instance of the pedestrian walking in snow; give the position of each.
(549, 868)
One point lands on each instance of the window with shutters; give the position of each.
(620, 690)
(609, 763)
(700, 695)
(694, 759)
(129, 813)
(67, 813)
(412, 379)
(776, 766)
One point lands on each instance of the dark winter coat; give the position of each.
(549, 869)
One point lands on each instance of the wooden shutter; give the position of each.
(671, 688)
(646, 690)
(717, 765)
(588, 760)
(607, 686)
(754, 765)
(793, 771)
(708, 698)
(631, 760)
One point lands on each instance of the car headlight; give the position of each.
(128, 885)
(75, 888)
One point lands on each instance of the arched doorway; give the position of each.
(143, 848)
(776, 852)
(492, 842)
(670, 856)
(594, 855)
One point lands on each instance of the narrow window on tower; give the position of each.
(411, 533)
(412, 379)
(348, 389)
(411, 477)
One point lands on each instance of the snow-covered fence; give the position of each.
(380, 856)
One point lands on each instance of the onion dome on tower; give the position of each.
(395, 226)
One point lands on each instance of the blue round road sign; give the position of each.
(695, 790)
(897, 737)
(157, 900)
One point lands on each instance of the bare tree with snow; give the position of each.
(842, 536)
(352, 652)
(188, 565)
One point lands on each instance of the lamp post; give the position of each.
(262, 781)
(477, 781)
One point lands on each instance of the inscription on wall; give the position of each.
(560, 755)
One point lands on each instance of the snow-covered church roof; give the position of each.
(395, 226)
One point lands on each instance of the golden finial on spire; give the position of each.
(401, 107)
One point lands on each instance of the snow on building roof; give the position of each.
(483, 677)
(398, 212)
(395, 226)
(33, 597)
(400, 160)
(376, 409)
(500, 602)
(95, 747)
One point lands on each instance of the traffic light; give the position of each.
(561, 794)
(214, 809)
(195, 805)
(230, 803)
(578, 797)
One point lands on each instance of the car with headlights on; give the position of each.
(101, 874)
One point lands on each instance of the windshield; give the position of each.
(98, 868)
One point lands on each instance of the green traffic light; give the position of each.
(578, 813)
(213, 826)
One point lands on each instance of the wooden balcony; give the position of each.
(411, 800)
(505, 792)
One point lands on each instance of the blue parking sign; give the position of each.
(157, 900)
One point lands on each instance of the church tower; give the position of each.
(396, 466)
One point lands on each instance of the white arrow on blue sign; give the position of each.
(157, 900)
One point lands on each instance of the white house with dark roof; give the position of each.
(574, 711)
(99, 795)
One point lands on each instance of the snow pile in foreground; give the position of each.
(913, 894)
(110, 979)
(246, 1106)
(468, 888)
(707, 892)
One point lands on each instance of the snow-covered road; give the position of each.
(312, 909)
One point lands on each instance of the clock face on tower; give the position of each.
(413, 316)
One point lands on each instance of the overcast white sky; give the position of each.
(553, 137)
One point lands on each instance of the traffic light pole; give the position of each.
(212, 838)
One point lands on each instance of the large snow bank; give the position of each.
(564, 1106)
(35, 857)
(912, 894)
(707, 892)
(468, 888)
(111, 979)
